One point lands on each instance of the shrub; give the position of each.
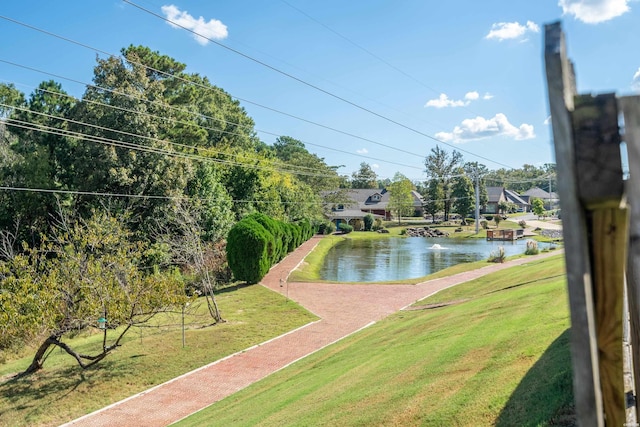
(368, 222)
(358, 225)
(403, 232)
(532, 248)
(345, 228)
(458, 230)
(330, 228)
(488, 217)
(497, 220)
(484, 224)
(277, 250)
(497, 256)
(247, 249)
(470, 221)
(522, 223)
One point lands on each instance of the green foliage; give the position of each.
(463, 193)
(488, 217)
(368, 222)
(433, 197)
(365, 177)
(400, 197)
(249, 250)
(440, 166)
(522, 223)
(497, 220)
(345, 228)
(470, 221)
(537, 205)
(277, 249)
(88, 269)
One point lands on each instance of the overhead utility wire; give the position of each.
(362, 48)
(311, 85)
(115, 107)
(143, 196)
(129, 145)
(291, 168)
(207, 88)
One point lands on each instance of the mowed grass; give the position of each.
(499, 358)
(150, 356)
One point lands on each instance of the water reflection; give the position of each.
(381, 260)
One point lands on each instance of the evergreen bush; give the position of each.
(247, 249)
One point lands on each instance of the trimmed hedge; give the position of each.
(248, 245)
(258, 241)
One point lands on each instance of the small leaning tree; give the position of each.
(89, 275)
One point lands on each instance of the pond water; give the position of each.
(380, 260)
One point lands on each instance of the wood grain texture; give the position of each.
(609, 248)
(584, 353)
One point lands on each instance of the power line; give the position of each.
(194, 84)
(315, 87)
(209, 149)
(238, 124)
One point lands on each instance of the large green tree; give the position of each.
(365, 177)
(443, 167)
(463, 194)
(400, 196)
(433, 198)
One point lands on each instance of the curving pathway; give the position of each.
(342, 309)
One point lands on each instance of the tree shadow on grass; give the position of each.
(30, 395)
(545, 394)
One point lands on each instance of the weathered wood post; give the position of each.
(630, 107)
(601, 192)
(595, 226)
(584, 350)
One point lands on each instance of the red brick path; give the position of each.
(343, 310)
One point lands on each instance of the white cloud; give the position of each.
(635, 83)
(511, 30)
(479, 128)
(443, 101)
(362, 151)
(471, 96)
(375, 166)
(213, 29)
(594, 11)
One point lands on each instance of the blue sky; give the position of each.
(468, 73)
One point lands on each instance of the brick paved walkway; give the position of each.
(343, 310)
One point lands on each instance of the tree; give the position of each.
(442, 167)
(463, 194)
(433, 197)
(400, 196)
(368, 222)
(365, 177)
(86, 277)
(537, 205)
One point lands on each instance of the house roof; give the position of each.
(374, 198)
(540, 193)
(514, 197)
(496, 194)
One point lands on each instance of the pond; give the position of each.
(390, 259)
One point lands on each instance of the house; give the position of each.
(360, 202)
(516, 199)
(551, 200)
(498, 195)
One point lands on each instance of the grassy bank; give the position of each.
(149, 356)
(499, 358)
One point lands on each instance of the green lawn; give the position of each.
(149, 356)
(500, 358)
